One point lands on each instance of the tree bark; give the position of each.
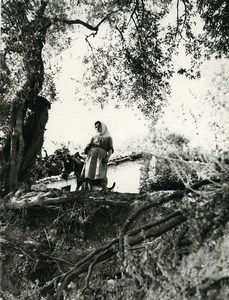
(16, 149)
(33, 133)
(19, 155)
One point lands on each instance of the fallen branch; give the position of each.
(164, 199)
(42, 199)
(45, 199)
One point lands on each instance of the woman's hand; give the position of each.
(87, 149)
(105, 160)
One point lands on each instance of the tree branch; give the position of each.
(148, 226)
(158, 202)
(45, 199)
(85, 24)
(77, 21)
(178, 21)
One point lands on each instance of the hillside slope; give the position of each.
(80, 245)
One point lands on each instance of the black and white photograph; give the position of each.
(114, 158)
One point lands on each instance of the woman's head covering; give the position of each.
(105, 132)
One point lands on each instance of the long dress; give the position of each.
(94, 167)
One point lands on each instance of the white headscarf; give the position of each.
(105, 132)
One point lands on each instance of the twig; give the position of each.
(132, 14)
(47, 238)
(22, 250)
(57, 258)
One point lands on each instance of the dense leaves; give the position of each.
(134, 63)
(49, 165)
(216, 25)
(143, 38)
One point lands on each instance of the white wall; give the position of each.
(59, 184)
(126, 176)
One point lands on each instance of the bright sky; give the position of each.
(72, 122)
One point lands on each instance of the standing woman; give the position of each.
(98, 151)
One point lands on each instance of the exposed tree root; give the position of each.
(135, 236)
(105, 252)
(161, 200)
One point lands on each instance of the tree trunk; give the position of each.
(29, 113)
(33, 134)
(24, 144)
(16, 149)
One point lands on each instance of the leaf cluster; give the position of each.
(135, 62)
(49, 165)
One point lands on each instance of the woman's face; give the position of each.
(98, 127)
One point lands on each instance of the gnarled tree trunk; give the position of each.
(23, 144)
(29, 112)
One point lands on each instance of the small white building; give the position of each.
(125, 171)
(140, 171)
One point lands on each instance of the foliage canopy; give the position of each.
(134, 60)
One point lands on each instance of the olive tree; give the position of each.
(133, 63)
